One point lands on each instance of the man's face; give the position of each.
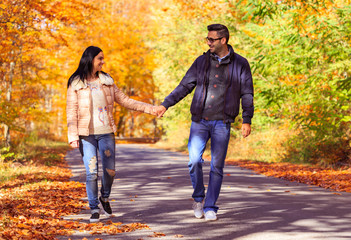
(214, 42)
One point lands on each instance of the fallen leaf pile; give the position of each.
(32, 205)
(337, 180)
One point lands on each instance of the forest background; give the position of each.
(299, 52)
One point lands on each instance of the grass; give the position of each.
(265, 146)
(29, 158)
(175, 141)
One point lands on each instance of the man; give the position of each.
(221, 77)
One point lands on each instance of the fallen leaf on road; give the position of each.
(178, 236)
(158, 234)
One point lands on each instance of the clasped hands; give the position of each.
(158, 110)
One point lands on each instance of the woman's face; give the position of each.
(98, 61)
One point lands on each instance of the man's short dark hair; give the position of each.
(222, 31)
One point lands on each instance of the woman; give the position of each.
(90, 97)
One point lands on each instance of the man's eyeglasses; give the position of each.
(212, 40)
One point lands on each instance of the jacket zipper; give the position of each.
(225, 94)
(206, 78)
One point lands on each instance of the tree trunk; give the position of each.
(131, 127)
(8, 99)
(120, 131)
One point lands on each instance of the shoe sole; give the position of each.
(107, 214)
(94, 220)
(211, 219)
(199, 217)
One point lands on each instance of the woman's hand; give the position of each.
(159, 110)
(74, 144)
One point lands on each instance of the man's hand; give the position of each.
(246, 129)
(74, 144)
(160, 110)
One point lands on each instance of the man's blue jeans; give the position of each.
(89, 147)
(200, 133)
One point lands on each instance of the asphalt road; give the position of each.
(152, 186)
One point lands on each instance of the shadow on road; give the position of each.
(152, 186)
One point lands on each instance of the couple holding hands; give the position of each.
(222, 80)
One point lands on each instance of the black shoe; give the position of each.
(94, 217)
(106, 206)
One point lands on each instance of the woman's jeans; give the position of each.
(200, 133)
(89, 147)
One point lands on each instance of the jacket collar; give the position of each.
(228, 58)
(105, 79)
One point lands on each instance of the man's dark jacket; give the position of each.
(239, 86)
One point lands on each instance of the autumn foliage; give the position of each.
(300, 57)
(299, 52)
(41, 44)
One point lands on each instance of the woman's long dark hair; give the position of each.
(85, 67)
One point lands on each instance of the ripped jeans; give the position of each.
(89, 147)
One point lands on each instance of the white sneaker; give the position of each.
(198, 209)
(210, 216)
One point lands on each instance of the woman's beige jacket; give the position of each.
(79, 104)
